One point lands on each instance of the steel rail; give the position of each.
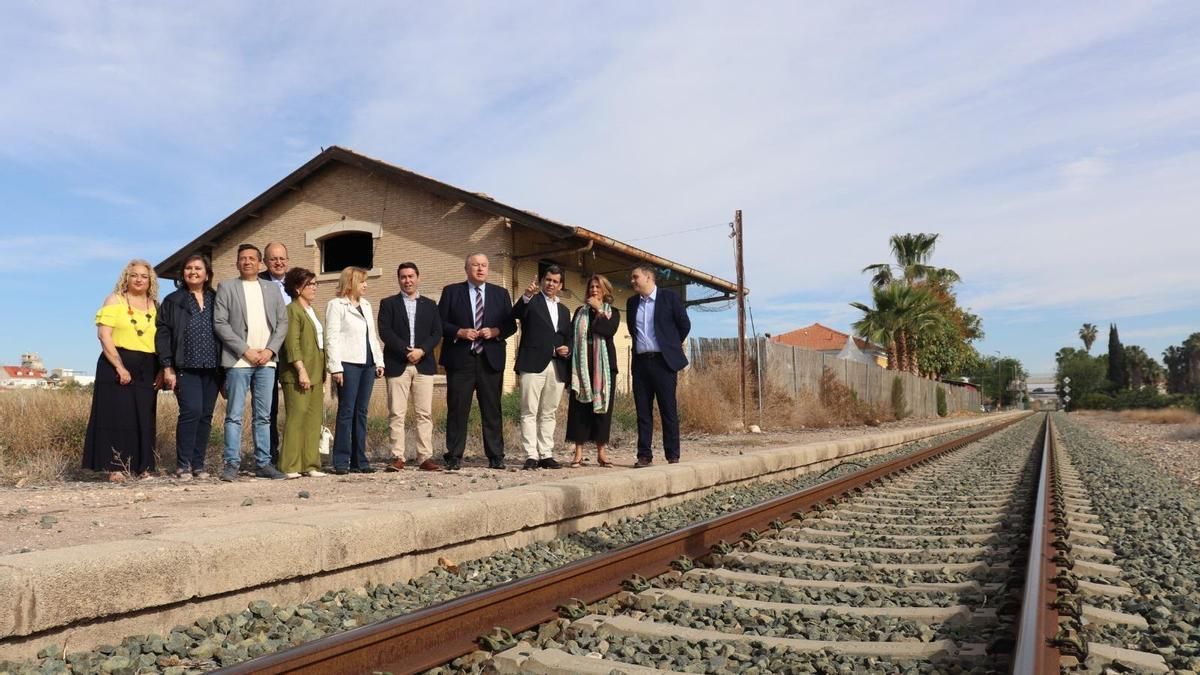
(436, 635)
(1035, 653)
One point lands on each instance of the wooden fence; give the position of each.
(799, 370)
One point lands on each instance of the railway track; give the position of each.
(916, 565)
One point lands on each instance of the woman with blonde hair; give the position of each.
(354, 359)
(121, 428)
(593, 370)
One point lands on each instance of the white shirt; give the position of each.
(312, 315)
(647, 341)
(410, 308)
(551, 306)
(258, 333)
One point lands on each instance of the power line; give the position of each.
(669, 234)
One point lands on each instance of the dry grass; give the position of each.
(42, 432)
(1190, 432)
(1158, 416)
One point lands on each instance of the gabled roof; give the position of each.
(556, 230)
(820, 338)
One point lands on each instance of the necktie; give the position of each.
(477, 346)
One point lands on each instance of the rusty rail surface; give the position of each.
(436, 635)
(1035, 652)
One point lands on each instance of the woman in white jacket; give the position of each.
(354, 359)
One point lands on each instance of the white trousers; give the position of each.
(540, 395)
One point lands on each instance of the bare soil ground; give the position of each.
(68, 513)
(1169, 441)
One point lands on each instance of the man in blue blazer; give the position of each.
(476, 320)
(658, 324)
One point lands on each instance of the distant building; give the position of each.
(21, 377)
(821, 338)
(62, 376)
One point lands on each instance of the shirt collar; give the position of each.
(549, 299)
(477, 288)
(652, 297)
(414, 298)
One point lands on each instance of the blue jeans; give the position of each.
(196, 391)
(259, 382)
(350, 437)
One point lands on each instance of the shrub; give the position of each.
(1094, 401)
(941, 402)
(899, 404)
(1144, 398)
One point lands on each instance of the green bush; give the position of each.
(1145, 398)
(941, 402)
(899, 404)
(1093, 401)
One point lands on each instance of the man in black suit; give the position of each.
(658, 324)
(476, 320)
(543, 362)
(410, 328)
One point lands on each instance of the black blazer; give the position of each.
(457, 310)
(171, 326)
(671, 326)
(393, 330)
(539, 338)
(603, 328)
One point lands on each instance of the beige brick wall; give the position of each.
(431, 231)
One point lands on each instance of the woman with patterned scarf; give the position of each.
(593, 370)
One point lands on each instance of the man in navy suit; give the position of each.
(544, 364)
(658, 324)
(476, 320)
(411, 329)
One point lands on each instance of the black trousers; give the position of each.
(275, 420)
(653, 380)
(480, 379)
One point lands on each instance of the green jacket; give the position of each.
(301, 345)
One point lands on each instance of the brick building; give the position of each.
(820, 338)
(342, 208)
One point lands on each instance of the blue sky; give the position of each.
(1055, 148)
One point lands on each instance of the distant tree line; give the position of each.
(1126, 376)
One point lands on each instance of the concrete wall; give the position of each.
(799, 370)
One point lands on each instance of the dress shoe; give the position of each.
(496, 464)
(429, 465)
(397, 465)
(363, 469)
(530, 464)
(341, 471)
(549, 463)
(643, 463)
(453, 466)
(672, 461)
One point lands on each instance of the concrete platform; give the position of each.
(95, 593)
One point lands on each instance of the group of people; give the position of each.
(258, 335)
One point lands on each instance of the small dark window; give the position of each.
(350, 249)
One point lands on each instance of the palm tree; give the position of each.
(900, 314)
(912, 253)
(1088, 335)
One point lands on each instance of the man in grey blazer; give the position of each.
(250, 320)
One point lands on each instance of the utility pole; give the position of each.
(741, 305)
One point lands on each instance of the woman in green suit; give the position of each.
(302, 373)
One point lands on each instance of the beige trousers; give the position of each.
(419, 388)
(540, 394)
